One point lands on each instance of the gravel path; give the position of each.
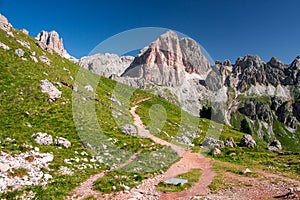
(147, 190)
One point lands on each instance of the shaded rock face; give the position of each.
(167, 59)
(284, 111)
(285, 115)
(214, 79)
(192, 57)
(106, 64)
(256, 110)
(52, 41)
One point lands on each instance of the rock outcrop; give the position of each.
(3, 46)
(192, 57)
(129, 129)
(60, 141)
(51, 41)
(248, 141)
(4, 24)
(230, 142)
(166, 60)
(42, 138)
(275, 146)
(212, 142)
(106, 64)
(256, 110)
(50, 89)
(251, 71)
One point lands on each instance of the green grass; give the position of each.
(193, 176)
(146, 165)
(262, 99)
(289, 141)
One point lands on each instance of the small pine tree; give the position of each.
(245, 128)
(206, 112)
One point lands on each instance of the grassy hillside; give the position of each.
(25, 110)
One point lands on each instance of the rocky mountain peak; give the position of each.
(193, 59)
(4, 23)
(275, 63)
(166, 60)
(249, 61)
(53, 42)
(3, 19)
(106, 64)
(295, 64)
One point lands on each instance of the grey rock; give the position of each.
(44, 59)
(227, 63)
(4, 24)
(106, 64)
(248, 141)
(65, 171)
(251, 70)
(3, 19)
(275, 146)
(176, 181)
(129, 129)
(114, 99)
(4, 167)
(50, 89)
(60, 141)
(34, 59)
(52, 41)
(161, 63)
(296, 110)
(184, 140)
(246, 171)
(212, 142)
(25, 31)
(19, 52)
(216, 151)
(89, 88)
(3, 46)
(193, 59)
(35, 175)
(230, 142)
(42, 138)
(24, 44)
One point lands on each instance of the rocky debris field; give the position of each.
(26, 169)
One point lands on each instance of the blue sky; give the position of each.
(225, 28)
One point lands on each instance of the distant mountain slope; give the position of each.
(265, 95)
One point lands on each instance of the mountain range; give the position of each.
(265, 96)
